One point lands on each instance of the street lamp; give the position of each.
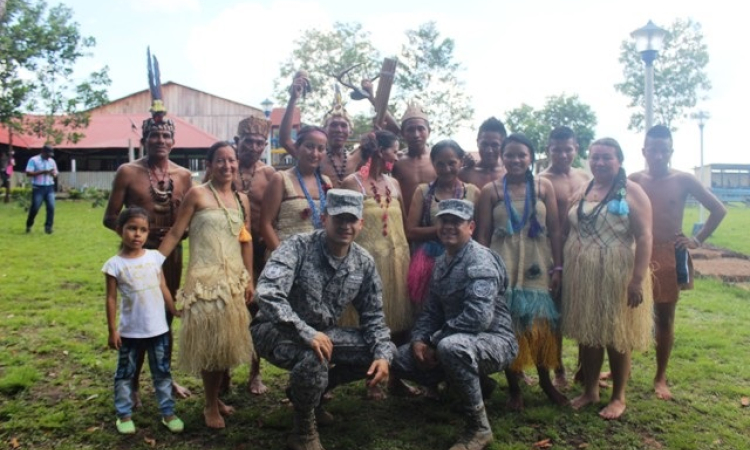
(648, 42)
(267, 104)
(701, 117)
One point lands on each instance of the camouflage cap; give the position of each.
(457, 207)
(344, 201)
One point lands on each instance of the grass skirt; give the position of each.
(594, 308)
(535, 322)
(214, 334)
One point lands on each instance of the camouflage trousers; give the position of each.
(463, 358)
(309, 377)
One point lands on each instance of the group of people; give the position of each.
(386, 264)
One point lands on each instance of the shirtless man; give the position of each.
(157, 185)
(254, 176)
(338, 162)
(668, 190)
(562, 148)
(489, 140)
(415, 167)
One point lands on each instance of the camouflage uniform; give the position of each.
(303, 290)
(467, 321)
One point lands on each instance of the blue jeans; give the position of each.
(41, 194)
(158, 361)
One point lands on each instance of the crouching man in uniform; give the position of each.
(464, 331)
(303, 290)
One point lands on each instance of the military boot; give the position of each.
(477, 434)
(304, 435)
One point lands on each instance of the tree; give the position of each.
(38, 51)
(428, 72)
(323, 54)
(680, 77)
(558, 111)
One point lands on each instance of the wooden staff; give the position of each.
(387, 72)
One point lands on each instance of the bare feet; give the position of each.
(662, 390)
(327, 397)
(256, 386)
(225, 410)
(560, 382)
(180, 391)
(136, 398)
(613, 410)
(605, 376)
(583, 400)
(213, 418)
(515, 402)
(527, 379)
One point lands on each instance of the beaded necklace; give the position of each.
(238, 222)
(317, 222)
(376, 195)
(587, 222)
(340, 173)
(515, 223)
(246, 188)
(161, 196)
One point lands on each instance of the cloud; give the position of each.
(238, 53)
(164, 6)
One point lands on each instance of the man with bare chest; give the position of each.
(339, 162)
(157, 185)
(415, 167)
(253, 178)
(668, 190)
(562, 148)
(489, 141)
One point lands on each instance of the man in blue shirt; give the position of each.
(42, 170)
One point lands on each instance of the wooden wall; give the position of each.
(214, 115)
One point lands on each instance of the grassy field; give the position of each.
(56, 371)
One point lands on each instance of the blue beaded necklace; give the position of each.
(317, 222)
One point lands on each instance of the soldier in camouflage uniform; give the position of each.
(302, 292)
(464, 331)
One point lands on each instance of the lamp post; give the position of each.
(267, 105)
(648, 42)
(701, 117)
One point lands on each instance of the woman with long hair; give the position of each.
(518, 219)
(295, 198)
(383, 234)
(607, 300)
(218, 287)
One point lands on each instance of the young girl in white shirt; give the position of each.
(136, 273)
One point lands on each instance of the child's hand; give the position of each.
(176, 313)
(114, 340)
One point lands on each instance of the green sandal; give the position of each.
(125, 427)
(175, 425)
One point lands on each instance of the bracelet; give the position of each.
(555, 269)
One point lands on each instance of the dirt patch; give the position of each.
(729, 266)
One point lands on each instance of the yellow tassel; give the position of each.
(244, 235)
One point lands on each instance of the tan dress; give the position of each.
(391, 255)
(598, 268)
(291, 219)
(215, 320)
(528, 261)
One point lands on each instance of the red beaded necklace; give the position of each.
(378, 198)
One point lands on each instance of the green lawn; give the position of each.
(56, 371)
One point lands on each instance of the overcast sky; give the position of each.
(513, 52)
